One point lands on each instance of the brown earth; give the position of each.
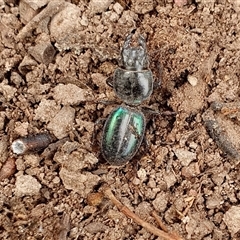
(54, 61)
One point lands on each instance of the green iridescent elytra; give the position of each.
(122, 134)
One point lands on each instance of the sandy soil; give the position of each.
(54, 61)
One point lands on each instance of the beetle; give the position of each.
(124, 128)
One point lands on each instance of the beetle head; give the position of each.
(134, 58)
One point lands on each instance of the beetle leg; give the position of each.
(109, 81)
(108, 102)
(100, 121)
(151, 112)
(145, 143)
(157, 84)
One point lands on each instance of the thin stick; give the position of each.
(52, 8)
(163, 227)
(159, 221)
(125, 210)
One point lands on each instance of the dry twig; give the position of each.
(159, 221)
(174, 235)
(52, 8)
(126, 211)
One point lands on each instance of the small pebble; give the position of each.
(46, 111)
(27, 185)
(43, 52)
(232, 219)
(69, 94)
(184, 156)
(26, 64)
(97, 6)
(180, 3)
(65, 22)
(170, 179)
(21, 128)
(78, 182)
(143, 6)
(136, 181)
(26, 11)
(214, 201)
(7, 92)
(8, 169)
(62, 123)
(160, 202)
(192, 80)
(117, 7)
(56, 180)
(94, 199)
(96, 227)
(3, 148)
(191, 171)
(142, 175)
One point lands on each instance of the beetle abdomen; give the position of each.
(122, 135)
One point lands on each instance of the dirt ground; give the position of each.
(55, 57)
